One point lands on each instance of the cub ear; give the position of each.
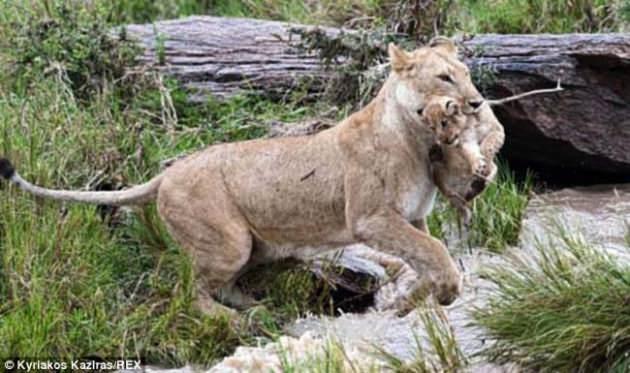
(398, 57)
(451, 108)
(443, 43)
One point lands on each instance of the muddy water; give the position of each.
(601, 214)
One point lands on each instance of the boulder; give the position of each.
(583, 132)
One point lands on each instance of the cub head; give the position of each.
(445, 118)
(433, 70)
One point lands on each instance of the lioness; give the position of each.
(364, 180)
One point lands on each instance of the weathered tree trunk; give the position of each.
(223, 56)
(584, 130)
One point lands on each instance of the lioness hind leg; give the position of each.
(218, 241)
(230, 294)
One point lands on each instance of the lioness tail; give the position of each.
(136, 195)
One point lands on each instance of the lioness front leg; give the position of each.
(378, 225)
(391, 233)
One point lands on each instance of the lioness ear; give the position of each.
(443, 43)
(398, 58)
(451, 108)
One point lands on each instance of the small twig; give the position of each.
(525, 94)
(354, 21)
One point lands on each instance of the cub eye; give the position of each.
(445, 78)
(420, 111)
(444, 123)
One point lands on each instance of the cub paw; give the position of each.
(481, 168)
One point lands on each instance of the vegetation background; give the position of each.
(86, 281)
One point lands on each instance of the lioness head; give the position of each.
(445, 118)
(433, 70)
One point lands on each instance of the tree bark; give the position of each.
(582, 132)
(224, 56)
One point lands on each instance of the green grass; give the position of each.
(497, 213)
(330, 358)
(290, 290)
(72, 287)
(443, 353)
(564, 309)
(71, 282)
(471, 16)
(540, 16)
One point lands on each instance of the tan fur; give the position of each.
(234, 205)
(479, 138)
(450, 126)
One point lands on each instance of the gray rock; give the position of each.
(584, 128)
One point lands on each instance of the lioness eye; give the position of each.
(446, 78)
(444, 123)
(420, 111)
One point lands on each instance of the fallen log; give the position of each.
(582, 131)
(224, 56)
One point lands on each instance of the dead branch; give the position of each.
(502, 101)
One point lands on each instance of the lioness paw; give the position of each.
(448, 290)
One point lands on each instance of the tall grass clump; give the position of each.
(289, 290)
(440, 352)
(331, 357)
(59, 39)
(498, 212)
(564, 308)
(73, 288)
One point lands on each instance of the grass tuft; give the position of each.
(77, 289)
(497, 213)
(566, 308)
(443, 354)
(541, 16)
(331, 358)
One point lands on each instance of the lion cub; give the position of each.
(461, 139)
